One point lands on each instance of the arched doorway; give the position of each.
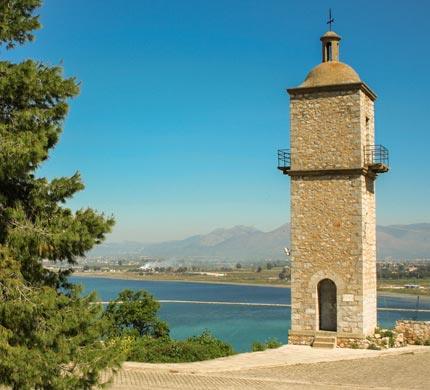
(327, 305)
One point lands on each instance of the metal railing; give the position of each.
(376, 154)
(284, 159)
(376, 157)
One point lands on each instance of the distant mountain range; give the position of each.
(403, 241)
(247, 244)
(238, 243)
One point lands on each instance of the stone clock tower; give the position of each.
(333, 163)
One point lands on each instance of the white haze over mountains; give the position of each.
(247, 244)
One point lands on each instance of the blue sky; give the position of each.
(183, 105)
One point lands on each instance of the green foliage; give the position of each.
(391, 337)
(383, 338)
(137, 332)
(49, 340)
(208, 347)
(165, 350)
(135, 314)
(33, 107)
(273, 343)
(17, 21)
(387, 333)
(258, 346)
(269, 344)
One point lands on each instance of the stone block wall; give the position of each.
(368, 256)
(414, 332)
(333, 237)
(300, 339)
(368, 218)
(326, 130)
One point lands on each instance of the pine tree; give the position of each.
(49, 335)
(49, 340)
(33, 106)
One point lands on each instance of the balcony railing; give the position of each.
(376, 158)
(284, 160)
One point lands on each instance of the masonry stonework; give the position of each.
(332, 204)
(414, 332)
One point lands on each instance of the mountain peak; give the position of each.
(235, 229)
(221, 234)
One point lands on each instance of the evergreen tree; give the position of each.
(33, 106)
(48, 339)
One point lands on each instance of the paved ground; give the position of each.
(289, 367)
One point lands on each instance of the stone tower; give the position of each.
(333, 163)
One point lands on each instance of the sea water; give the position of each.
(238, 325)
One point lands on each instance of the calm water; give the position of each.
(238, 325)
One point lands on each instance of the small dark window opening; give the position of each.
(367, 131)
(328, 51)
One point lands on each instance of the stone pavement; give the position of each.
(288, 367)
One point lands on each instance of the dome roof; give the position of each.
(330, 73)
(331, 34)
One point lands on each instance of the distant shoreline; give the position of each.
(124, 276)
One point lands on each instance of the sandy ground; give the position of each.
(289, 367)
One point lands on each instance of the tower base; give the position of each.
(343, 340)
